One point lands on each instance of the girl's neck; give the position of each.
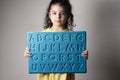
(57, 28)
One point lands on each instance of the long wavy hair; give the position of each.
(68, 9)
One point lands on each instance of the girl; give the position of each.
(59, 18)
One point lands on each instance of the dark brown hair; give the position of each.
(68, 9)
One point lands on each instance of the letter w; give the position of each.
(53, 67)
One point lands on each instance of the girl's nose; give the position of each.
(58, 16)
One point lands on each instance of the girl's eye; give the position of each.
(54, 13)
(63, 13)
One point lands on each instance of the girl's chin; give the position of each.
(58, 24)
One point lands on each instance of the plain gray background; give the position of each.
(100, 18)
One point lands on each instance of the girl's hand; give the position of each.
(26, 52)
(85, 54)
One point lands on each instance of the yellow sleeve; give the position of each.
(46, 30)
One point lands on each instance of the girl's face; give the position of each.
(57, 15)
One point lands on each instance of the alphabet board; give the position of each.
(56, 52)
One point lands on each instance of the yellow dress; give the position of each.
(55, 76)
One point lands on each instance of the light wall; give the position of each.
(100, 18)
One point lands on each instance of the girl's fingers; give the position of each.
(85, 54)
(27, 52)
(27, 48)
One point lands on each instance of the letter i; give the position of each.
(39, 47)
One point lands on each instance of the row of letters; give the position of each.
(61, 57)
(61, 67)
(52, 47)
(55, 37)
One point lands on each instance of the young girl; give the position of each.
(59, 18)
